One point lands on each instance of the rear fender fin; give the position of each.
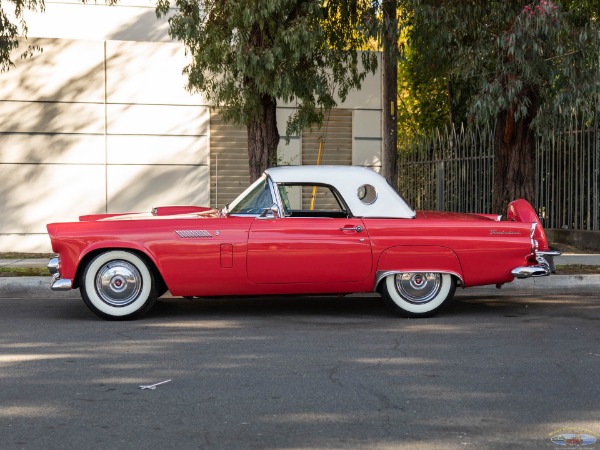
(521, 211)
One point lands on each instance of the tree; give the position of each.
(389, 160)
(13, 27)
(247, 56)
(380, 22)
(530, 62)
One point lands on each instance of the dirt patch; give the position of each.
(570, 249)
(577, 269)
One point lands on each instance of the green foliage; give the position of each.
(301, 52)
(423, 97)
(512, 52)
(12, 27)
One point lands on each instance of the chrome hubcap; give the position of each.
(118, 283)
(418, 287)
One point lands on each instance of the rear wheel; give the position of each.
(417, 294)
(118, 285)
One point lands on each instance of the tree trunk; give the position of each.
(389, 160)
(514, 164)
(263, 138)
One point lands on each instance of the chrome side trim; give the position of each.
(57, 283)
(531, 271)
(60, 284)
(53, 265)
(380, 275)
(191, 234)
(278, 202)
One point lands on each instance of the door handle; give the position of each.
(357, 228)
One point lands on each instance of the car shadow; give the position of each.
(346, 306)
(349, 308)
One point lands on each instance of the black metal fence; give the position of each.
(452, 170)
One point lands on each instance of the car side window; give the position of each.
(256, 201)
(301, 200)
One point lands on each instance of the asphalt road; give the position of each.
(490, 372)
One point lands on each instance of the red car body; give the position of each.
(283, 247)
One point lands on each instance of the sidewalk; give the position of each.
(22, 287)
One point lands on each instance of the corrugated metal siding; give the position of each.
(336, 133)
(229, 153)
(229, 174)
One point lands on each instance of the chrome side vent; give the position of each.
(191, 234)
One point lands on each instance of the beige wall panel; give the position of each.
(158, 120)
(369, 95)
(140, 188)
(139, 3)
(52, 149)
(30, 243)
(146, 3)
(289, 154)
(147, 72)
(97, 22)
(33, 195)
(27, 117)
(65, 70)
(366, 123)
(158, 150)
(366, 153)
(283, 115)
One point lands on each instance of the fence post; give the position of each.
(439, 185)
(596, 177)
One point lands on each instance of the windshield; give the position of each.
(253, 200)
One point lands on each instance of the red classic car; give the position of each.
(296, 230)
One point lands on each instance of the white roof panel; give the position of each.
(347, 180)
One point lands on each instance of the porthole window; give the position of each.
(367, 194)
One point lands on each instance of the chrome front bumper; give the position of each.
(544, 267)
(57, 283)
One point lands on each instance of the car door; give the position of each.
(312, 243)
(308, 250)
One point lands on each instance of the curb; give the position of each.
(39, 287)
(31, 287)
(554, 284)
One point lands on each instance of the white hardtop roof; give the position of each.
(347, 180)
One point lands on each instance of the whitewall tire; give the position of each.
(417, 294)
(118, 285)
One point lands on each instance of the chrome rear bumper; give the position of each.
(57, 283)
(530, 271)
(544, 267)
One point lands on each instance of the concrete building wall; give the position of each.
(100, 121)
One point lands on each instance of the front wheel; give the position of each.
(118, 285)
(417, 294)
